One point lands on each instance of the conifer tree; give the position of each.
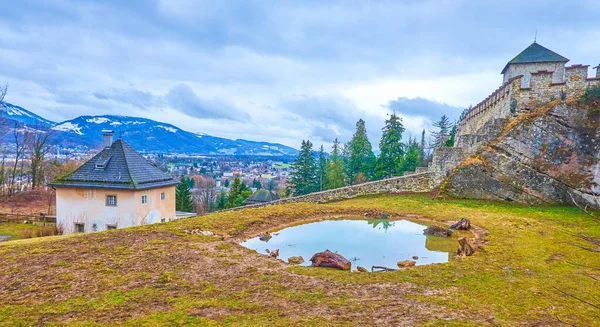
(412, 156)
(390, 158)
(450, 141)
(304, 178)
(256, 184)
(321, 168)
(422, 146)
(183, 196)
(334, 168)
(440, 137)
(222, 200)
(362, 159)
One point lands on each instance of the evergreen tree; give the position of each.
(362, 159)
(222, 200)
(390, 158)
(321, 168)
(183, 196)
(256, 184)
(440, 137)
(450, 141)
(422, 146)
(226, 183)
(234, 192)
(190, 182)
(334, 168)
(304, 178)
(412, 156)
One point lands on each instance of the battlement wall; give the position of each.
(512, 98)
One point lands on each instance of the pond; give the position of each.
(366, 243)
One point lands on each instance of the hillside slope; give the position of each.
(550, 155)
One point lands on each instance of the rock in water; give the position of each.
(361, 269)
(295, 260)
(462, 224)
(437, 231)
(406, 263)
(415, 257)
(274, 253)
(330, 259)
(265, 237)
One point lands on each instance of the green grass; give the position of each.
(159, 275)
(21, 231)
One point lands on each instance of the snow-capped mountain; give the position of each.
(14, 114)
(142, 134)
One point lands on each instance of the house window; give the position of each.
(111, 200)
(162, 195)
(79, 228)
(110, 227)
(144, 199)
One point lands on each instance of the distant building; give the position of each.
(262, 196)
(116, 188)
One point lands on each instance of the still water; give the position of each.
(364, 242)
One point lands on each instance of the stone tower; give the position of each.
(535, 58)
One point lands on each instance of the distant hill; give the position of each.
(143, 134)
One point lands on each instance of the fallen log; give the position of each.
(381, 268)
(464, 248)
(437, 231)
(331, 260)
(462, 224)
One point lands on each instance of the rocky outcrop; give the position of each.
(546, 156)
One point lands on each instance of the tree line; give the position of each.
(355, 162)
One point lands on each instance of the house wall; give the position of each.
(525, 69)
(88, 206)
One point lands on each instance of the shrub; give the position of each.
(591, 96)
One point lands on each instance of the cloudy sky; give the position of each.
(277, 71)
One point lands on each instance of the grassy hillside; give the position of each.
(158, 275)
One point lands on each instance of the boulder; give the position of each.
(361, 269)
(331, 260)
(437, 231)
(406, 263)
(295, 260)
(462, 224)
(266, 236)
(464, 247)
(274, 253)
(415, 257)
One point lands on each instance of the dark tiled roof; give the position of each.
(535, 53)
(117, 167)
(262, 196)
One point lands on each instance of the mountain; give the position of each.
(143, 134)
(12, 114)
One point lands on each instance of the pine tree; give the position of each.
(183, 197)
(256, 184)
(422, 146)
(362, 159)
(222, 200)
(334, 168)
(440, 137)
(321, 168)
(390, 158)
(226, 183)
(234, 192)
(412, 156)
(304, 178)
(450, 141)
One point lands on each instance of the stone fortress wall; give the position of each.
(485, 121)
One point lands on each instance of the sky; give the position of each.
(277, 71)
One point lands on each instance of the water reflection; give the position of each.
(372, 242)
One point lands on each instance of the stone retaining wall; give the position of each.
(414, 183)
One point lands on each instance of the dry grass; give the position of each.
(158, 275)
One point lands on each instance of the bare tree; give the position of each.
(20, 138)
(3, 91)
(205, 194)
(3, 121)
(38, 150)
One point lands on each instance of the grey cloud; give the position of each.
(425, 108)
(133, 97)
(182, 98)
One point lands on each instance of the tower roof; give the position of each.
(117, 167)
(535, 53)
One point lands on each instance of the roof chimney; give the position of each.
(107, 137)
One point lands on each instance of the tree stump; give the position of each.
(331, 260)
(464, 248)
(462, 224)
(437, 231)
